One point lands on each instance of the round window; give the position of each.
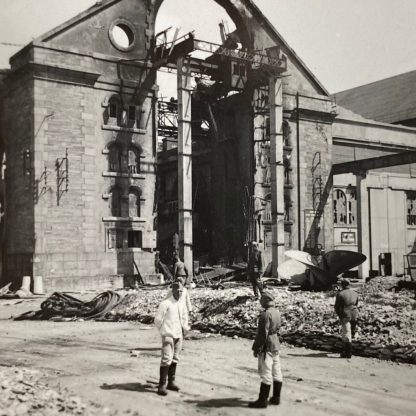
(122, 35)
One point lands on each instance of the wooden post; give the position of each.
(185, 162)
(277, 171)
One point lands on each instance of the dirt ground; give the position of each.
(217, 375)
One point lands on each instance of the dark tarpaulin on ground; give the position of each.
(61, 306)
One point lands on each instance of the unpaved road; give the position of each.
(217, 376)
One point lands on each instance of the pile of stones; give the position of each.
(387, 324)
(23, 393)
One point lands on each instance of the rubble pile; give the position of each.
(23, 393)
(387, 326)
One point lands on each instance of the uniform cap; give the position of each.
(268, 295)
(177, 285)
(345, 282)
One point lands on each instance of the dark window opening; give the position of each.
(115, 202)
(112, 112)
(114, 158)
(235, 68)
(411, 207)
(132, 113)
(135, 239)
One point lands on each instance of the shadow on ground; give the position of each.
(224, 402)
(312, 355)
(139, 387)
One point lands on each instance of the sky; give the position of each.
(345, 43)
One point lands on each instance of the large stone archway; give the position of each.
(237, 11)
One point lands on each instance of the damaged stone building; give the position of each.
(97, 179)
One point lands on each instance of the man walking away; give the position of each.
(172, 321)
(255, 268)
(346, 308)
(179, 269)
(266, 348)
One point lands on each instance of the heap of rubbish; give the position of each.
(387, 324)
(24, 393)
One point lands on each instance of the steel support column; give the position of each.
(363, 236)
(277, 171)
(185, 162)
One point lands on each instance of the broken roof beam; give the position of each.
(256, 58)
(169, 53)
(197, 65)
(164, 54)
(397, 159)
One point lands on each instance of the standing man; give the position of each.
(179, 269)
(172, 321)
(346, 308)
(185, 298)
(266, 349)
(255, 268)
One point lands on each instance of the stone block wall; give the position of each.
(60, 229)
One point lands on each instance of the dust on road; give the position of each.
(217, 375)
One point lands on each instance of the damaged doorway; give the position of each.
(221, 135)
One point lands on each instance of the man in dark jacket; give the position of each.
(255, 268)
(346, 308)
(266, 349)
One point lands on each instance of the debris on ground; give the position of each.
(387, 325)
(24, 393)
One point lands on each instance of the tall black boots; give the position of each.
(171, 378)
(167, 374)
(262, 401)
(277, 388)
(162, 380)
(347, 350)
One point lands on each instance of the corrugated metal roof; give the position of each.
(389, 100)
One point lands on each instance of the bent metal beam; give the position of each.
(402, 158)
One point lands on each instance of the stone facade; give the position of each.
(79, 130)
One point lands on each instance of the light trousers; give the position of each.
(348, 328)
(269, 367)
(171, 350)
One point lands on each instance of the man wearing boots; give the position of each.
(346, 308)
(172, 321)
(266, 349)
(255, 268)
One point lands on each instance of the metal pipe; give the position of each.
(298, 170)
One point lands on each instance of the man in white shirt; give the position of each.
(172, 321)
(185, 298)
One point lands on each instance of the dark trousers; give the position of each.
(256, 282)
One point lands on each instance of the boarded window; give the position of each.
(134, 203)
(134, 161)
(115, 238)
